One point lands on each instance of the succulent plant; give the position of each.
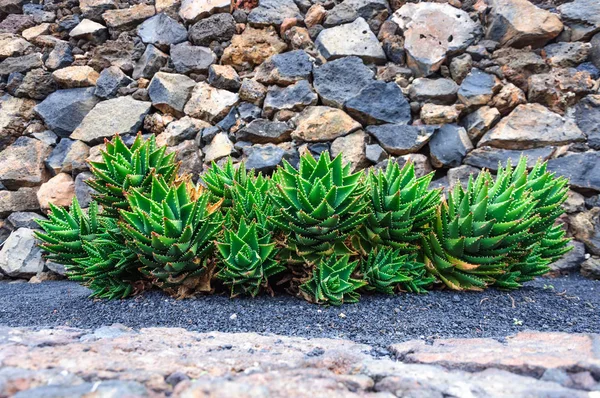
(320, 206)
(110, 268)
(65, 231)
(331, 282)
(478, 231)
(172, 230)
(220, 180)
(251, 202)
(124, 168)
(545, 241)
(400, 209)
(385, 270)
(248, 260)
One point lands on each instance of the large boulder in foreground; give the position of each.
(20, 255)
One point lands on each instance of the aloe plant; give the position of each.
(172, 230)
(220, 180)
(250, 201)
(400, 211)
(320, 206)
(386, 270)
(248, 260)
(331, 282)
(65, 231)
(124, 168)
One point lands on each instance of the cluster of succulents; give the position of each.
(319, 231)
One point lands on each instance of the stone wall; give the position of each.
(452, 86)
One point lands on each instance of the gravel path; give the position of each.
(570, 304)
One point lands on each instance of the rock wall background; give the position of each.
(452, 86)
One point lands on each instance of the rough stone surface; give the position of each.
(20, 64)
(582, 17)
(150, 62)
(193, 10)
(340, 80)
(170, 92)
(128, 18)
(355, 38)
(209, 103)
(379, 103)
(285, 69)
(323, 123)
(264, 131)
(264, 158)
(479, 122)
(23, 199)
(532, 126)
(486, 157)
(22, 163)
(587, 117)
(68, 156)
(225, 77)
(440, 114)
(75, 77)
(20, 256)
(435, 91)
(449, 145)
(432, 32)
(63, 110)
(291, 98)
(187, 58)
(109, 82)
(59, 191)
(518, 23)
(478, 88)
(162, 31)
(571, 261)
(219, 147)
(580, 168)
(252, 48)
(273, 12)
(352, 149)
(122, 115)
(567, 55)
(401, 139)
(218, 27)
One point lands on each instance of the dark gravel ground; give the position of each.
(568, 303)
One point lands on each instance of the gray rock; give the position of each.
(340, 14)
(285, 69)
(24, 219)
(47, 137)
(56, 268)
(375, 153)
(110, 81)
(170, 92)
(93, 9)
(460, 67)
(20, 255)
(190, 157)
(20, 64)
(83, 192)
(449, 146)
(560, 88)
(23, 199)
(192, 59)
(38, 13)
(264, 131)
(518, 23)
(461, 175)
(12, 45)
(37, 84)
(436, 91)
(591, 268)
(375, 12)
(60, 57)
(225, 77)
(572, 260)
(401, 139)
(355, 38)
(339, 80)
(181, 130)
(218, 27)
(479, 122)
(63, 110)
(587, 117)
(486, 157)
(432, 32)
(582, 17)
(532, 126)
(122, 115)
(162, 31)
(293, 98)
(151, 61)
(595, 50)
(580, 168)
(219, 147)
(68, 156)
(478, 88)
(567, 55)
(273, 12)
(263, 158)
(16, 23)
(380, 103)
(125, 19)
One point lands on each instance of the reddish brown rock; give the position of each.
(252, 48)
(59, 191)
